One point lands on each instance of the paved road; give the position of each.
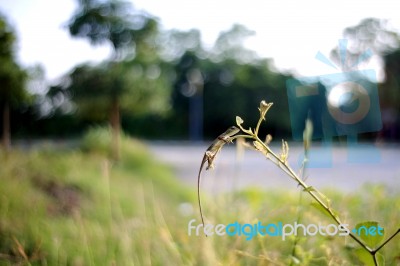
(379, 165)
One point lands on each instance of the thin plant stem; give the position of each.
(387, 241)
(299, 207)
(313, 193)
(282, 163)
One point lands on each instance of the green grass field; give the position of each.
(76, 207)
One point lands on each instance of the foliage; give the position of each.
(370, 34)
(233, 78)
(370, 247)
(154, 84)
(115, 22)
(175, 43)
(230, 46)
(97, 140)
(11, 75)
(86, 209)
(12, 79)
(222, 82)
(135, 212)
(377, 37)
(91, 87)
(116, 86)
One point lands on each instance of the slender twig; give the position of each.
(375, 260)
(282, 163)
(313, 193)
(299, 207)
(387, 241)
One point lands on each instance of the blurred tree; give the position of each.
(231, 89)
(132, 35)
(176, 43)
(234, 80)
(371, 34)
(184, 92)
(383, 41)
(12, 79)
(230, 45)
(389, 96)
(392, 69)
(91, 86)
(116, 22)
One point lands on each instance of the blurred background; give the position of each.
(187, 78)
(109, 105)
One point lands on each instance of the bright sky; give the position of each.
(289, 31)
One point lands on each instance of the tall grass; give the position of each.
(135, 213)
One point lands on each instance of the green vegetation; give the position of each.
(131, 33)
(82, 206)
(75, 207)
(12, 79)
(171, 79)
(370, 247)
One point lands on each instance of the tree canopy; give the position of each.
(132, 78)
(12, 78)
(113, 21)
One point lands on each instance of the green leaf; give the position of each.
(367, 259)
(370, 232)
(381, 259)
(295, 260)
